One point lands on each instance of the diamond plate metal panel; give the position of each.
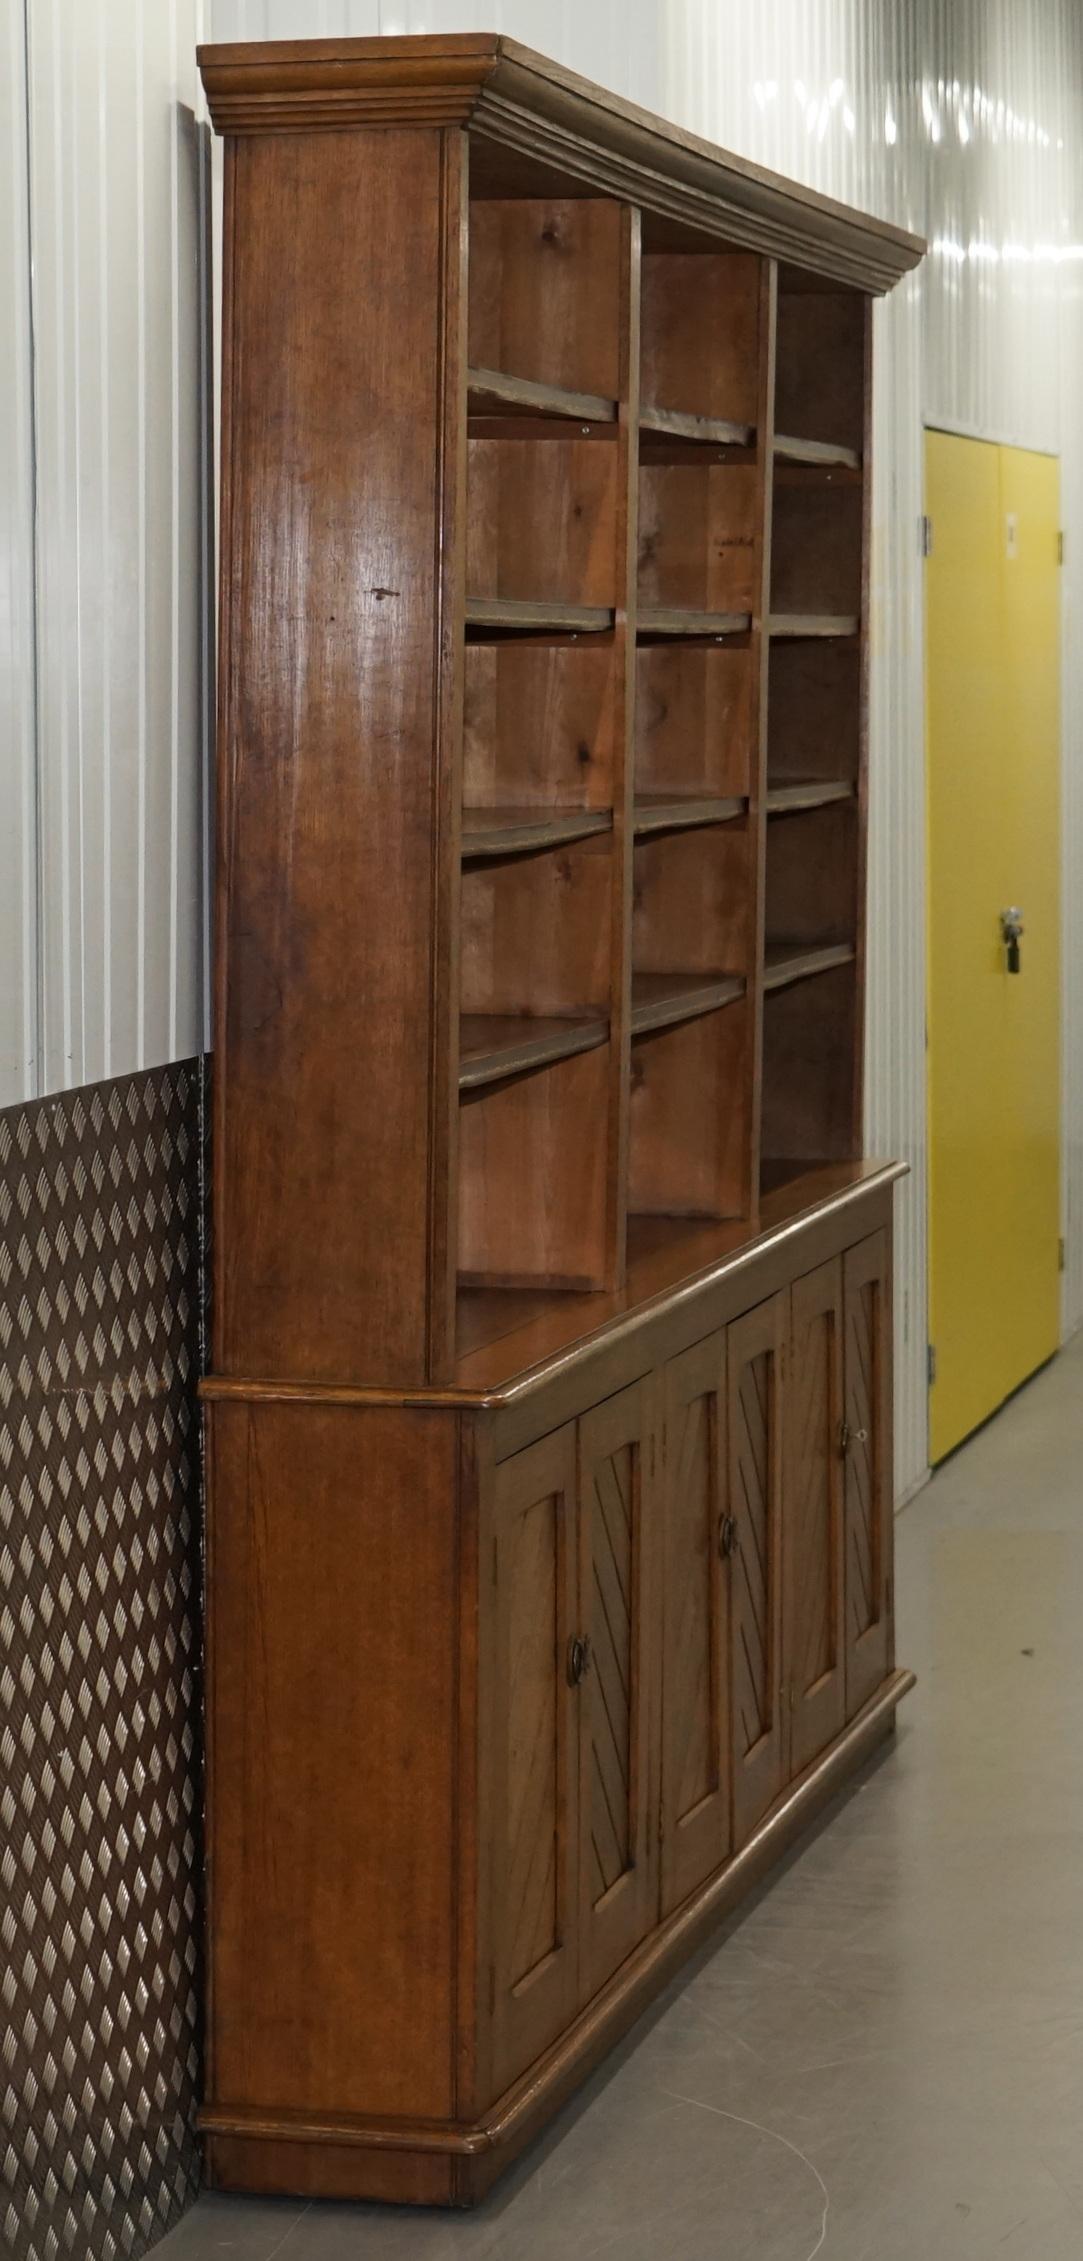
(99, 1648)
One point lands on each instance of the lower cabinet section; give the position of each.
(689, 1603)
(502, 1723)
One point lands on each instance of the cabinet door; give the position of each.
(869, 1472)
(618, 1602)
(531, 1768)
(814, 1642)
(696, 1575)
(754, 1393)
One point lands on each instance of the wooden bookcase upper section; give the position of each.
(542, 690)
(524, 111)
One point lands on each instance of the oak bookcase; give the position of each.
(549, 1420)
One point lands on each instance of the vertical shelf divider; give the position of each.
(760, 657)
(448, 768)
(857, 1109)
(624, 679)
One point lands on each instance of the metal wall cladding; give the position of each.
(99, 1642)
(617, 42)
(117, 214)
(18, 791)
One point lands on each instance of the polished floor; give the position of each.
(883, 2061)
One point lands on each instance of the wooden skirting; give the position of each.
(438, 2164)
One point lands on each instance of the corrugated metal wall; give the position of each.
(615, 41)
(961, 117)
(106, 168)
(18, 790)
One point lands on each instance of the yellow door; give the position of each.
(993, 736)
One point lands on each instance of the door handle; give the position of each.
(848, 1437)
(729, 1537)
(1012, 931)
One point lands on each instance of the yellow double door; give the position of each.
(993, 738)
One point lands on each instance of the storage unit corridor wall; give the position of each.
(552, 1307)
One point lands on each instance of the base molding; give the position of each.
(419, 2163)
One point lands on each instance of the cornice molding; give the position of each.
(512, 97)
(314, 85)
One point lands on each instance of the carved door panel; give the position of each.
(696, 1572)
(868, 1468)
(618, 1608)
(754, 1406)
(813, 1549)
(529, 1710)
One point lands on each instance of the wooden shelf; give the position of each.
(490, 393)
(787, 962)
(503, 1332)
(661, 620)
(492, 1046)
(660, 1000)
(817, 624)
(513, 613)
(518, 832)
(810, 793)
(705, 431)
(666, 812)
(822, 454)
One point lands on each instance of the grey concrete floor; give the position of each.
(883, 2060)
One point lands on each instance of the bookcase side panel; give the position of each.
(342, 306)
(333, 1591)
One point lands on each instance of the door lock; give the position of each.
(1012, 931)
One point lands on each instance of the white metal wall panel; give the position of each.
(115, 203)
(993, 113)
(614, 41)
(18, 829)
(281, 19)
